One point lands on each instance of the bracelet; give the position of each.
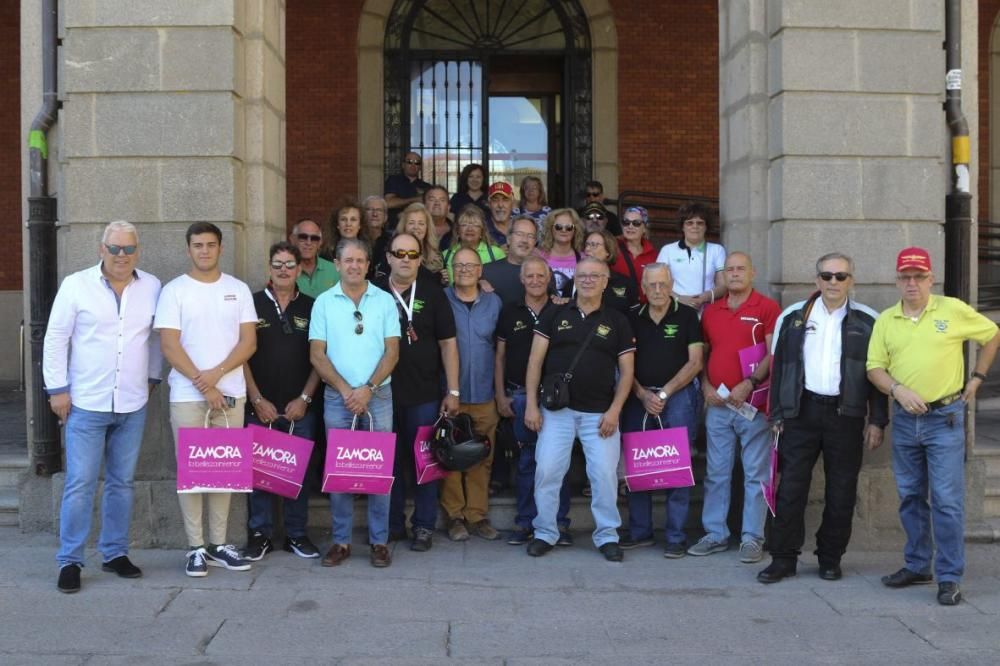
(892, 390)
(258, 399)
(979, 375)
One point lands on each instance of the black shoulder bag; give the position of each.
(553, 392)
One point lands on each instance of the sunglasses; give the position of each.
(118, 249)
(841, 276)
(360, 328)
(286, 328)
(309, 237)
(405, 254)
(631, 223)
(289, 264)
(595, 216)
(414, 162)
(594, 194)
(563, 227)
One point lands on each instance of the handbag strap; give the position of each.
(623, 248)
(586, 343)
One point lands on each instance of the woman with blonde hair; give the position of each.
(471, 232)
(562, 240)
(416, 220)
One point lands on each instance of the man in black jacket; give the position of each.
(820, 397)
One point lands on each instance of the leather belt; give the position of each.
(944, 402)
(821, 399)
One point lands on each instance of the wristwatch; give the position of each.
(306, 399)
(979, 375)
(371, 387)
(662, 395)
(754, 381)
(454, 392)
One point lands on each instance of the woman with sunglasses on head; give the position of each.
(634, 248)
(695, 264)
(562, 240)
(471, 227)
(471, 189)
(533, 201)
(416, 221)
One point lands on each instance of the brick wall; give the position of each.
(10, 147)
(987, 15)
(667, 92)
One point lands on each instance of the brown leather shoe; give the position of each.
(336, 555)
(457, 530)
(380, 556)
(484, 530)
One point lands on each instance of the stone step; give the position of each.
(9, 508)
(991, 498)
(13, 465)
(991, 458)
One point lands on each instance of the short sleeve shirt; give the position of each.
(323, 277)
(592, 388)
(693, 269)
(354, 356)
(728, 331)
(281, 366)
(517, 329)
(926, 355)
(661, 349)
(208, 315)
(417, 375)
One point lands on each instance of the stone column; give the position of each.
(173, 113)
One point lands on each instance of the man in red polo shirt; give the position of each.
(733, 327)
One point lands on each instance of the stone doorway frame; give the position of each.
(371, 83)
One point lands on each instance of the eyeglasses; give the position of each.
(470, 225)
(631, 223)
(589, 277)
(919, 277)
(372, 211)
(694, 222)
(414, 162)
(521, 234)
(594, 244)
(841, 276)
(360, 328)
(465, 268)
(118, 249)
(405, 254)
(289, 264)
(309, 237)
(563, 227)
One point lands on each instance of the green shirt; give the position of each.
(324, 276)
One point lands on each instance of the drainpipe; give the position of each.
(46, 454)
(958, 203)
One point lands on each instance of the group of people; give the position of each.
(515, 310)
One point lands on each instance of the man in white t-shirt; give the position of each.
(207, 323)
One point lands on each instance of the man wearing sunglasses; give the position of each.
(354, 346)
(820, 399)
(593, 203)
(428, 351)
(281, 384)
(100, 360)
(916, 357)
(316, 274)
(404, 188)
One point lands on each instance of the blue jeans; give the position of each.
(552, 455)
(260, 503)
(425, 496)
(93, 437)
(928, 453)
(681, 410)
(336, 415)
(525, 478)
(726, 431)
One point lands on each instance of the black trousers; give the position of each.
(818, 429)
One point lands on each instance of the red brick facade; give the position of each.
(10, 146)
(668, 115)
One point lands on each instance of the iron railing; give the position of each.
(663, 208)
(989, 265)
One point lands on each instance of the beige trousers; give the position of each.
(467, 494)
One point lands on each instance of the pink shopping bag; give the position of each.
(359, 462)
(750, 358)
(427, 467)
(214, 460)
(770, 489)
(280, 460)
(657, 459)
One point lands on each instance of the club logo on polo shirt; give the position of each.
(564, 325)
(263, 323)
(619, 291)
(941, 325)
(670, 331)
(519, 326)
(603, 330)
(418, 305)
(300, 323)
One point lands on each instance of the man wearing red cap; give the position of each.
(501, 198)
(915, 356)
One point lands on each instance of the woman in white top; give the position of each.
(695, 264)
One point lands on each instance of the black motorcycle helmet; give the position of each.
(456, 445)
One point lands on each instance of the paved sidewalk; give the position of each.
(482, 602)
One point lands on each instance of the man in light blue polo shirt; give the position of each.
(354, 345)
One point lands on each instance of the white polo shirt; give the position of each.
(694, 271)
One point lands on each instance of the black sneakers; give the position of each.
(301, 546)
(904, 578)
(537, 547)
(196, 566)
(69, 579)
(612, 552)
(949, 593)
(122, 566)
(258, 546)
(225, 556)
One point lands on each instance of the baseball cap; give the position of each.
(502, 188)
(595, 208)
(913, 258)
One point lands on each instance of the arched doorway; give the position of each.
(578, 51)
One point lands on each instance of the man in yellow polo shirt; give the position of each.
(915, 356)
